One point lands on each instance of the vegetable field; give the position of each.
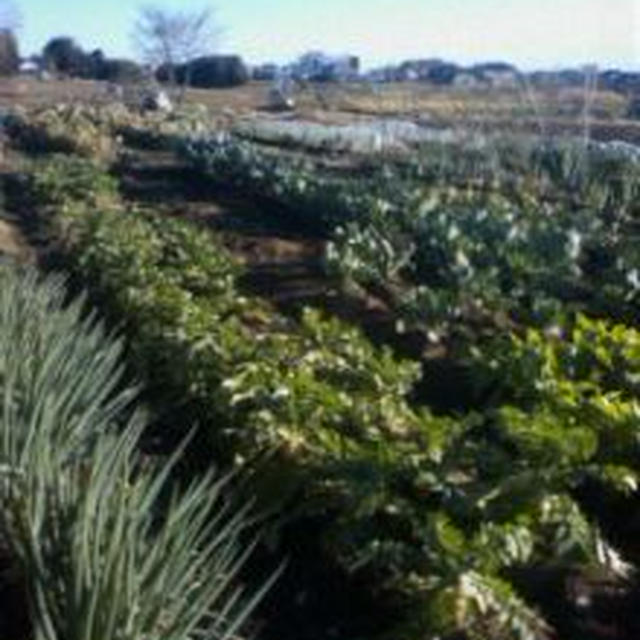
(419, 362)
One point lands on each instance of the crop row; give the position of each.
(95, 131)
(435, 510)
(553, 231)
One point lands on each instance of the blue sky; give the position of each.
(531, 33)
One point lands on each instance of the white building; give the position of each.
(29, 68)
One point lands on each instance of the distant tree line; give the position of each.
(63, 56)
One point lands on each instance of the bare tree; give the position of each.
(168, 38)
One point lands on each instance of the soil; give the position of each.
(13, 244)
